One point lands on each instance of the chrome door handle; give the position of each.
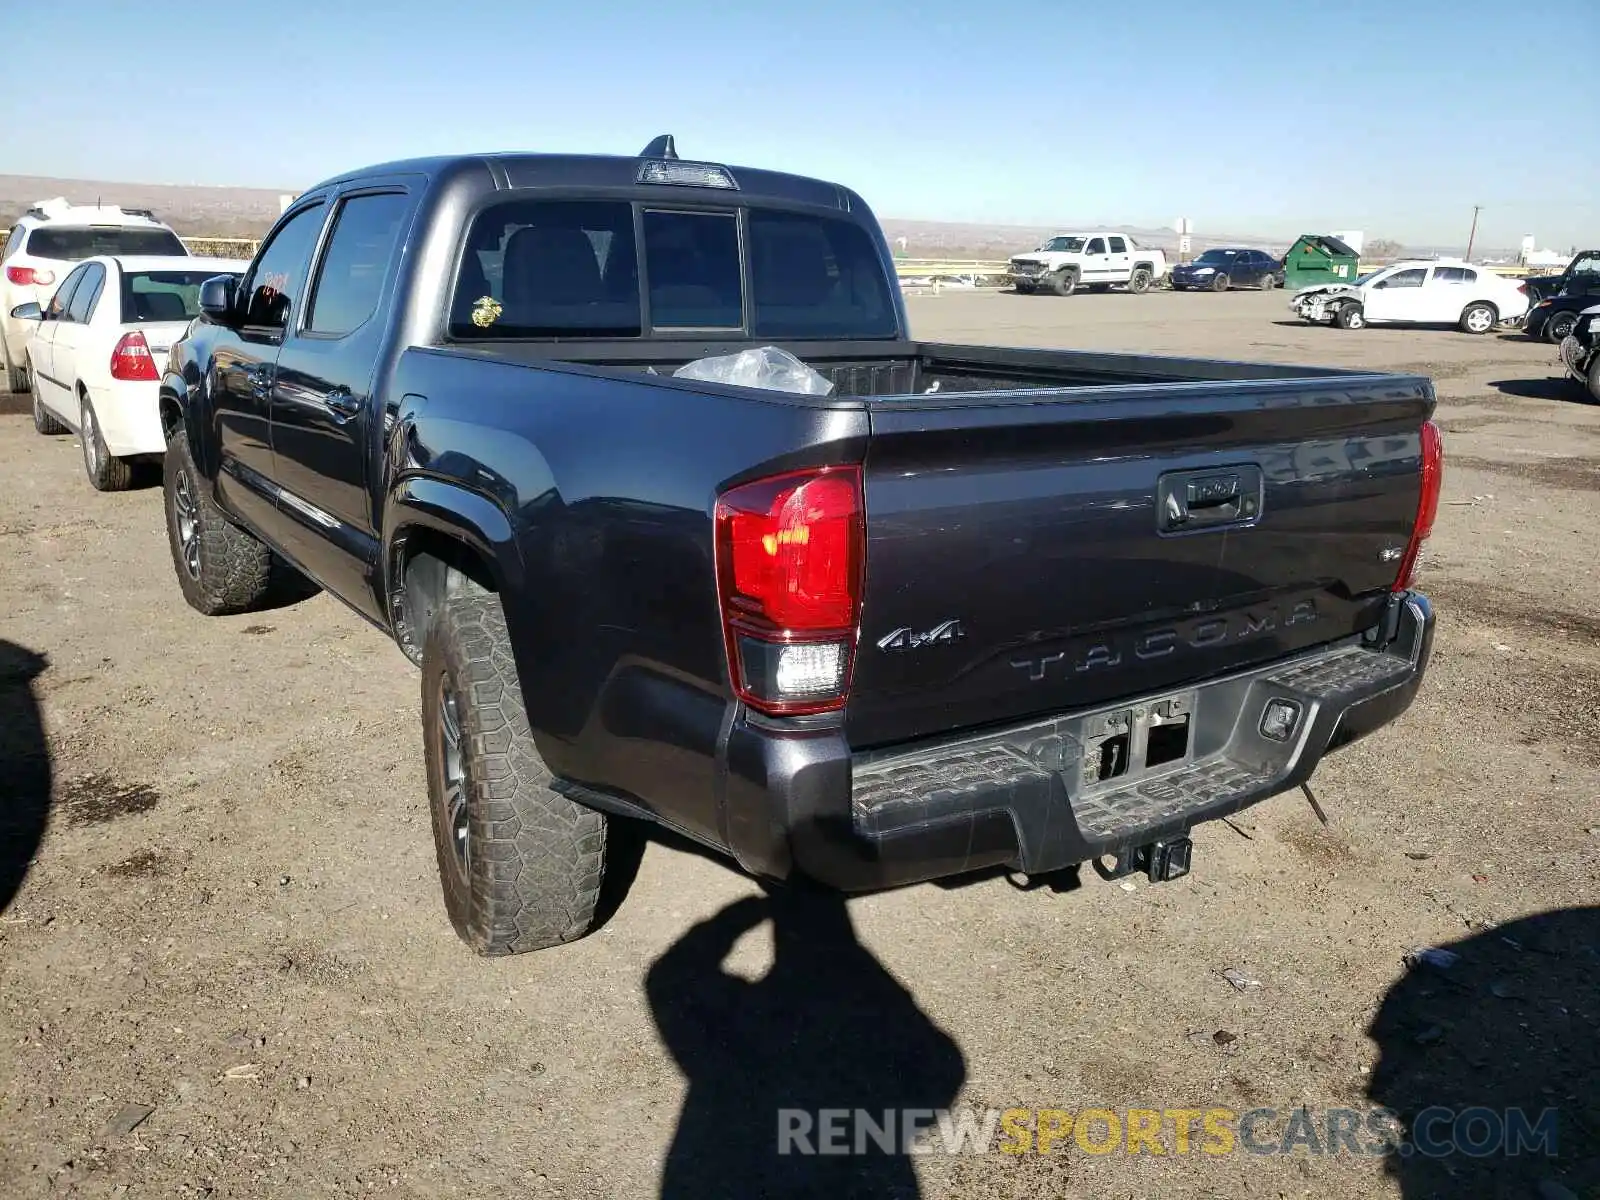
(343, 403)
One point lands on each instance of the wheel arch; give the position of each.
(442, 539)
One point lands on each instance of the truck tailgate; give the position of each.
(1037, 552)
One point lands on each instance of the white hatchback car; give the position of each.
(45, 244)
(1447, 291)
(99, 347)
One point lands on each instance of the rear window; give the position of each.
(150, 296)
(554, 268)
(71, 243)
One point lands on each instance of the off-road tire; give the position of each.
(1350, 316)
(1559, 325)
(232, 571)
(1477, 307)
(1594, 379)
(534, 860)
(1139, 282)
(43, 419)
(1064, 283)
(106, 473)
(1220, 281)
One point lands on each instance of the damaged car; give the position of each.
(1434, 292)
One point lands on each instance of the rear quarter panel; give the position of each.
(608, 486)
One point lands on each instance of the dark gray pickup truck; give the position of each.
(969, 607)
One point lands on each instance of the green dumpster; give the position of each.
(1318, 258)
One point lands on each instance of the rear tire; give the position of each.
(1478, 318)
(1594, 379)
(1558, 326)
(16, 376)
(520, 864)
(106, 472)
(1064, 283)
(220, 568)
(1220, 281)
(1139, 281)
(43, 419)
(1268, 282)
(1350, 316)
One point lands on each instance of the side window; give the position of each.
(14, 241)
(280, 272)
(55, 310)
(1405, 279)
(82, 303)
(349, 281)
(1095, 246)
(1118, 246)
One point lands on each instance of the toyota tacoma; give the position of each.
(937, 608)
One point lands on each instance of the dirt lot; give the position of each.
(233, 917)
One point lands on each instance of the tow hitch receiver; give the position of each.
(1160, 861)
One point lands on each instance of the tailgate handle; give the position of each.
(1192, 500)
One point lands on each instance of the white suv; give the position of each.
(42, 249)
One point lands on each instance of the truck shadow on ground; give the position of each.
(1493, 1042)
(1556, 387)
(24, 767)
(827, 1027)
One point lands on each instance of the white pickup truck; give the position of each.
(1092, 260)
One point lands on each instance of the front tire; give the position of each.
(43, 419)
(1220, 281)
(220, 568)
(1139, 281)
(1350, 316)
(1064, 282)
(520, 864)
(106, 472)
(1478, 318)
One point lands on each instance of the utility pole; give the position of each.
(1471, 237)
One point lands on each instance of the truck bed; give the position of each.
(881, 370)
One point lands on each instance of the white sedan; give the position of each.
(98, 349)
(1435, 292)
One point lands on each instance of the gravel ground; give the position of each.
(233, 922)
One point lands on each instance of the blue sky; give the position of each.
(1248, 116)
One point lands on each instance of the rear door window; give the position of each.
(692, 263)
(72, 243)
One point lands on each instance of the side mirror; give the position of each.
(217, 298)
(28, 312)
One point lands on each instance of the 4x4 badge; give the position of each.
(906, 638)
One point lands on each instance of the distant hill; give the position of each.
(196, 210)
(191, 210)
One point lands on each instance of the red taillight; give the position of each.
(131, 361)
(21, 276)
(1427, 504)
(790, 554)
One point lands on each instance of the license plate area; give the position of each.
(1123, 744)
